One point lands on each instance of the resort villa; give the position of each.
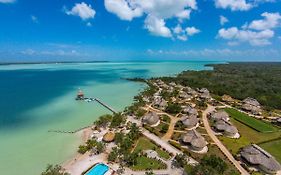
(184, 95)
(160, 103)
(189, 110)
(219, 115)
(227, 98)
(226, 128)
(259, 158)
(151, 118)
(221, 124)
(251, 105)
(204, 93)
(191, 91)
(194, 141)
(190, 121)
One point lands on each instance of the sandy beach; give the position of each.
(84, 134)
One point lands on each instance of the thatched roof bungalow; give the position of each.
(189, 110)
(226, 128)
(184, 95)
(108, 137)
(227, 98)
(193, 139)
(204, 93)
(256, 156)
(151, 119)
(219, 115)
(189, 121)
(251, 105)
(160, 103)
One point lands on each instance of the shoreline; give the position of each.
(83, 135)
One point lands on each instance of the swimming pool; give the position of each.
(99, 169)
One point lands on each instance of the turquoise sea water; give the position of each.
(38, 98)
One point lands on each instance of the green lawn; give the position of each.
(273, 148)
(252, 122)
(146, 144)
(145, 163)
(248, 136)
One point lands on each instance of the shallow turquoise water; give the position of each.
(38, 98)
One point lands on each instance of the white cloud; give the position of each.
(182, 37)
(185, 14)
(234, 5)
(240, 5)
(157, 26)
(259, 38)
(257, 32)
(156, 12)
(122, 9)
(223, 53)
(271, 20)
(34, 19)
(7, 1)
(223, 20)
(182, 34)
(178, 29)
(192, 31)
(82, 10)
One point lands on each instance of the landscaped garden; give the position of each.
(145, 163)
(248, 136)
(252, 122)
(145, 144)
(273, 148)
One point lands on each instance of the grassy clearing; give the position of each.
(248, 136)
(145, 163)
(256, 124)
(273, 148)
(145, 144)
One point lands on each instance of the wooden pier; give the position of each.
(105, 105)
(91, 99)
(70, 132)
(87, 99)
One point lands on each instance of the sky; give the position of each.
(116, 30)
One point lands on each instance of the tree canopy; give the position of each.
(240, 80)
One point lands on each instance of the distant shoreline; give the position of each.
(51, 62)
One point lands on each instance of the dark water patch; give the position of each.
(24, 90)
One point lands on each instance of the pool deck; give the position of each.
(83, 163)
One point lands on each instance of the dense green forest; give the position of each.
(240, 80)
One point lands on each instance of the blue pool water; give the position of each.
(99, 169)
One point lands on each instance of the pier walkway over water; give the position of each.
(100, 102)
(87, 100)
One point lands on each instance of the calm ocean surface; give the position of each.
(38, 98)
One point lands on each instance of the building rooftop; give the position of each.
(220, 115)
(189, 120)
(189, 110)
(255, 155)
(225, 126)
(194, 138)
(251, 101)
(151, 118)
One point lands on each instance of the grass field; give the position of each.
(145, 144)
(144, 163)
(248, 136)
(256, 124)
(273, 148)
